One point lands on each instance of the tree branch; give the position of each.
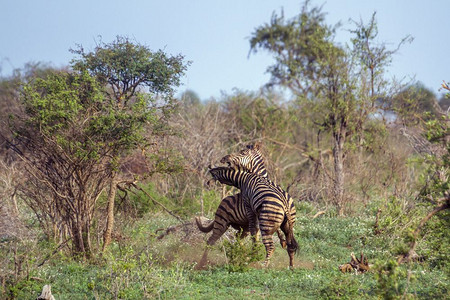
(411, 252)
(158, 203)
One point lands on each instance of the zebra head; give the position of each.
(250, 160)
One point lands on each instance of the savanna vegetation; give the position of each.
(103, 169)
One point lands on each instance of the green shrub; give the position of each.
(343, 287)
(390, 280)
(434, 248)
(143, 204)
(241, 253)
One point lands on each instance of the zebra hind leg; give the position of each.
(218, 230)
(282, 239)
(270, 248)
(252, 223)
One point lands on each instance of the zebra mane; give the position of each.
(230, 173)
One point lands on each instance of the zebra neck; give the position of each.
(238, 178)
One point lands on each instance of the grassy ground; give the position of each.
(145, 267)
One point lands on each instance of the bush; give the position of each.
(390, 280)
(345, 287)
(241, 253)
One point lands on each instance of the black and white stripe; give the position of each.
(264, 204)
(231, 211)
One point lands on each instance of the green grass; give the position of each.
(143, 267)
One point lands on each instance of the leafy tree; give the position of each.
(297, 45)
(415, 104)
(77, 127)
(342, 83)
(62, 138)
(190, 98)
(444, 103)
(125, 69)
(10, 91)
(435, 192)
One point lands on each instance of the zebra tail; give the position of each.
(202, 228)
(291, 238)
(294, 243)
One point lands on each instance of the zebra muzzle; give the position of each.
(225, 159)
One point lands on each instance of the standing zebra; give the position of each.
(264, 204)
(231, 210)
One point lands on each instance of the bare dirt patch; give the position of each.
(185, 243)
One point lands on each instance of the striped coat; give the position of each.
(265, 205)
(251, 160)
(231, 211)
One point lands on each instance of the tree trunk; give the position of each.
(14, 201)
(110, 213)
(87, 238)
(80, 233)
(339, 178)
(77, 237)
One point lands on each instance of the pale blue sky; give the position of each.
(214, 35)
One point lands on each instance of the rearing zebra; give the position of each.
(231, 210)
(251, 160)
(263, 203)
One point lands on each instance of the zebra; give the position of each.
(264, 204)
(231, 210)
(252, 160)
